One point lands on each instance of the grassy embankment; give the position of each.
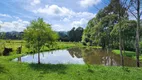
(14, 44)
(127, 53)
(23, 71)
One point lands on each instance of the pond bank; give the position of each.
(127, 53)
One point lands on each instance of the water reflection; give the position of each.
(78, 56)
(52, 57)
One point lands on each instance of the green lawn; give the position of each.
(10, 70)
(127, 53)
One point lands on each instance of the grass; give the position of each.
(10, 70)
(127, 53)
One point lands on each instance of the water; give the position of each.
(78, 56)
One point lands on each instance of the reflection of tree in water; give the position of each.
(98, 56)
(75, 52)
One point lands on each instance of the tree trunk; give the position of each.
(38, 58)
(123, 46)
(120, 45)
(137, 34)
(120, 38)
(38, 54)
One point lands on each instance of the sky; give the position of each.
(63, 15)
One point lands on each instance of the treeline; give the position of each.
(75, 34)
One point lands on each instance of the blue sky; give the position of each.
(15, 15)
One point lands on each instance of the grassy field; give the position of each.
(127, 53)
(10, 70)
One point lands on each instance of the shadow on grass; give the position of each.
(49, 68)
(2, 69)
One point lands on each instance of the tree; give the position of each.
(39, 33)
(71, 34)
(128, 28)
(78, 33)
(135, 10)
(75, 34)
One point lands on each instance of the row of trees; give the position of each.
(111, 28)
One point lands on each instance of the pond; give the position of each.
(78, 56)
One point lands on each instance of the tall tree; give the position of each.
(78, 33)
(121, 11)
(39, 33)
(136, 10)
(71, 34)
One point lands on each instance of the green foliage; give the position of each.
(75, 34)
(128, 30)
(2, 35)
(103, 30)
(39, 33)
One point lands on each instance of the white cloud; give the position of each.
(35, 2)
(9, 17)
(5, 15)
(89, 3)
(86, 15)
(54, 10)
(81, 23)
(66, 19)
(58, 27)
(0, 22)
(18, 25)
(63, 12)
(63, 18)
